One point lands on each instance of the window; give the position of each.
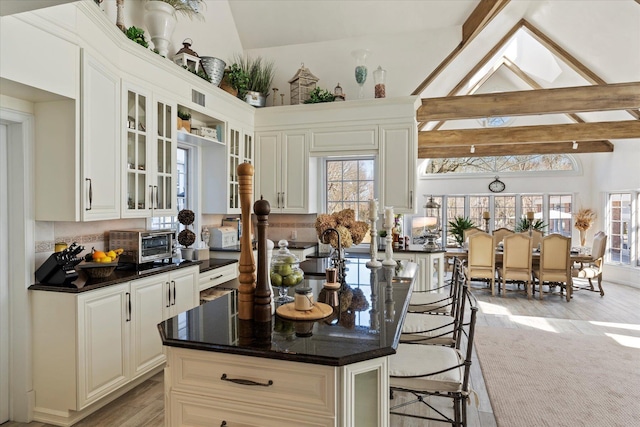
(504, 212)
(183, 160)
(478, 205)
(560, 208)
(502, 164)
(350, 185)
(619, 228)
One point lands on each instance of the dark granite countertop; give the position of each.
(292, 245)
(127, 272)
(367, 328)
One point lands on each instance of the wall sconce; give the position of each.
(575, 145)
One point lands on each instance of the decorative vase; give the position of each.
(160, 20)
(255, 98)
(583, 237)
(187, 253)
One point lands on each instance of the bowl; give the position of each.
(214, 67)
(98, 270)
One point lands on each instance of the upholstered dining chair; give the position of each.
(555, 263)
(481, 260)
(593, 269)
(516, 261)
(500, 234)
(469, 232)
(536, 237)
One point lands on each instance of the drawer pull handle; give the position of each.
(245, 382)
(223, 424)
(217, 277)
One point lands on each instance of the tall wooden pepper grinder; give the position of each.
(262, 303)
(247, 267)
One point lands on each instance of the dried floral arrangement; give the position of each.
(351, 232)
(584, 219)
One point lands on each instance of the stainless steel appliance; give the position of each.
(142, 246)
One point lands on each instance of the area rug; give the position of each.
(537, 378)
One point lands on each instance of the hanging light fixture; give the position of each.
(473, 149)
(575, 145)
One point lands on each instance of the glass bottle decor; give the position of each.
(379, 78)
(361, 71)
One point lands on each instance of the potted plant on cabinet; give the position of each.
(260, 77)
(235, 81)
(186, 237)
(457, 227)
(184, 120)
(160, 19)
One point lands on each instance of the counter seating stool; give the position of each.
(432, 300)
(593, 269)
(555, 263)
(500, 233)
(516, 261)
(433, 370)
(481, 260)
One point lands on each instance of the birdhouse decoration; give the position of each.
(186, 57)
(301, 85)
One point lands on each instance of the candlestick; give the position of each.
(388, 249)
(530, 215)
(388, 216)
(373, 209)
(373, 248)
(486, 215)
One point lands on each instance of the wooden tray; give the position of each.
(319, 311)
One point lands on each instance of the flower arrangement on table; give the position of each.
(351, 232)
(584, 221)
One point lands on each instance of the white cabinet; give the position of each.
(77, 149)
(398, 154)
(217, 276)
(220, 184)
(89, 345)
(148, 154)
(285, 173)
(431, 268)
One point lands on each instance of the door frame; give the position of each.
(21, 258)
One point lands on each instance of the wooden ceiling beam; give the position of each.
(617, 96)
(530, 134)
(516, 149)
(484, 12)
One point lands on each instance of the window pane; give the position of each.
(350, 170)
(334, 191)
(477, 205)
(504, 212)
(619, 228)
(350, 185)
(560, 218)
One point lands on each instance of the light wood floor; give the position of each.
(587, 313)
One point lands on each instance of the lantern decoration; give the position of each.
(431, 224)
(338, 94)
(301, 85)
(186, 57)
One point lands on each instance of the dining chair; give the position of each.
(481, 260)
(536, 237)
(593, 269)
(432, 370)
(469, 232)
(500, 234)
(555, 263)
(516, 261)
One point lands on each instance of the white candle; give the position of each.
(373, 209)
(388, 216)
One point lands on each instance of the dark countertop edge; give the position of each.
(292, 245)
(205, 265)
(291, 357)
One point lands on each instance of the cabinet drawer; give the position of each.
(196, 411)
(217, 276)
(344, 139)
(309, 387)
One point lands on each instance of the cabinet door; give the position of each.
(398, 164)
(148, 309)
(137, 188)
(234, 158)
(183, 286)
(100, 101)
(267, 178)
(294, 154)
(103, 342)
(165, 171)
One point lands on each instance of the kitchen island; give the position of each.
(329, 372)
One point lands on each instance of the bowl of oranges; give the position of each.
(100, 264)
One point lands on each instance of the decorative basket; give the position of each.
(99, 270)
(214, 67)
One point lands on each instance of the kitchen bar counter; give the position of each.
(125, 273)
(292, 245)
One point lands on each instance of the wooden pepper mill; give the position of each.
(247, 265)
(262, 302)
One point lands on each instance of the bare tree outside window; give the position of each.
(350, 185)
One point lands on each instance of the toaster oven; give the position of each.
(142, 246)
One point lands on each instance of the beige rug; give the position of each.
(538, 378)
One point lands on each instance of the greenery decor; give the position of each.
(200, 73)
(186, 237)
(238, 79)
(457, 227)
(137, 35)
(184, 115)
(188, 8)
(319, 95)
(259, 71)
(536, 224)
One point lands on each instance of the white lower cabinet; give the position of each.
(88, 346)
(431, 268)
(204, 388)
(217, 276)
